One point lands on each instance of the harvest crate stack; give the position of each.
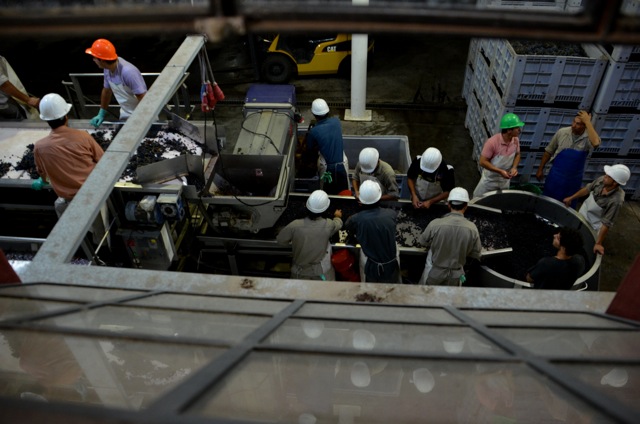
(546, 84)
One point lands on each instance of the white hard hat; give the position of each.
(368, 159)
(430, 160)
(53, 106)
(459, 195)
(423, 379)
(319, 107)
(370, 192)
(620, 173)
(318, 202)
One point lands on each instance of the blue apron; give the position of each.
(565, 176)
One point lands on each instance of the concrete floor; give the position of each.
(426, 75)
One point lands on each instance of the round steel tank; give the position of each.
(556, 213)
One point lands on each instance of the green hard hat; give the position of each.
(510, 120)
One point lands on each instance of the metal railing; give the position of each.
(85, 107)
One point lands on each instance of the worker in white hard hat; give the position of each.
(375, 230)
(450, 241)
(429, 179)
(567, 152)
(310, 237)
(325, 136)
(371, 167)
(15, 102)
(65, 158)
(500, 156)
(122, 79)
(606, 196)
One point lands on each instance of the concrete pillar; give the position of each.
(359, 46)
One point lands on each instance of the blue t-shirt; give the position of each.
(326, 135)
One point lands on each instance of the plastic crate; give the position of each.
(546, 79)
(620, 133)
(623, 53)
(620, 88)
(529, 163)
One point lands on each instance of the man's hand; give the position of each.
(417, 204)
(504, 174)
(567, 201)
(598, 248)
(513, 172)
(338, 213)
(39, 184)
(540, 175)
(584, 116)
(97, 120)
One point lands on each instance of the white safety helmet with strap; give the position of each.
(318, 202)
(370, 192)
(368, 159)
(458, 195)
(430, 160)
(620, 173)
(319, 107)
(53, 106)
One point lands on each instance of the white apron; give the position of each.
(490, 181)
(428, 190)
(327, 273)
(363, 262)
(322, 163)
(126, 99)
(592, 212)
(428, 265)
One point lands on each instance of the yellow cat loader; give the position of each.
(284, 56)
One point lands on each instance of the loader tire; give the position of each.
(277, 69)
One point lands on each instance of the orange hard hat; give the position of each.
(102, 49)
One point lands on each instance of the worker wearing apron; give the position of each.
(15, 102)
(121, 79)
(375, 230)
(568, 151)
(606, 196)
(309, 238)
(450, 240)
(326, 137)
(371, 168)
(500, 156)
(429, 179)
(65, 158)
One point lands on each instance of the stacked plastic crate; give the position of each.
(616, 116)
(545, 91)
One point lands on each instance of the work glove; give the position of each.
(97, 120)
(39, 184)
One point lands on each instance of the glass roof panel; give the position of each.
(542, 319)
(11, 308)
(576, 343)
(212, 303)
(104, 371)
(281, 387)
(370, 312)
(67, 292)
(161, 322)
(364, 336)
